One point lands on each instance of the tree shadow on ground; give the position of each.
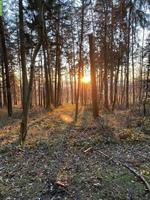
(54, 155)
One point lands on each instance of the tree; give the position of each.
(93, 77)
(80, 64)
(23, 57)
(5, 59)
(23, 126)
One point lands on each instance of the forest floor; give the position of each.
(87, 160)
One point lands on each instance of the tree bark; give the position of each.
(46, 81)
(106, 105)
(23, 57)
(23, 127)
(93, 77)
(128, 60)
(5, 58)
(80, 62)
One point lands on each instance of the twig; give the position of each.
(103, 154)
(89, 149)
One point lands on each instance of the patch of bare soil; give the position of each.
(64, 160)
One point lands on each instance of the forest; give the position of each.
(74, 99)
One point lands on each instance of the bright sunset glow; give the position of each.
(86, 79)
(66, 118)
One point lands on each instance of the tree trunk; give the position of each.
(5, 57)
(46, 81)
(1, 103)
(128, 61)
(133, 85)
(4, 85)
(22, 53)
(80, 62)
(93, 77)
(116, 85)
(105, 66)
(111, 54)
(23, 127)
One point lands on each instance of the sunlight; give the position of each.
(86, 79)
(66, 118)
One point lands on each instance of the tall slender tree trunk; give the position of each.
(39, 89)
(146, 86)
(141, 68)
(101, 87)
(5, 58)
(50, 77)
(93, 77)
(23, 57)
(116, 86)
(106, 105)
(128, 60)
(14, 89)
(58, 67)
(133, 85)
(112, 63)
(23, 127)
(74, 66)
(71, 85)
(1, 102)
(46, 81)
(4, 85)
(80, 62)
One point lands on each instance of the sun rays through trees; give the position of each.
(74, 95)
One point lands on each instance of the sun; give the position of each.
(86, 79)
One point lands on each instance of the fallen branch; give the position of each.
(138, 175)
(129, 168)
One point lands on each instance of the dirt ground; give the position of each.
(87, 160)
